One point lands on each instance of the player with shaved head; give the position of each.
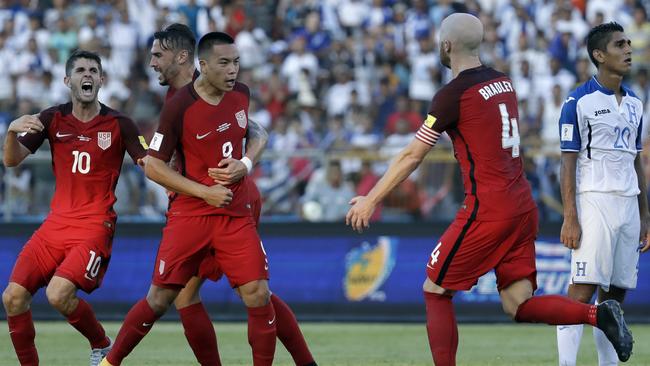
(496, 226)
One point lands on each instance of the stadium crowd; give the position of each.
(341, 86)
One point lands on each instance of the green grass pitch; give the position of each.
(336, 344)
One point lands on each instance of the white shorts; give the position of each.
(609, 246)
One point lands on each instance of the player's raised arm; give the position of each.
(400, 168)
(14, 151)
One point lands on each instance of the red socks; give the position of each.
(137, 324)
(261, 334)
(83, 319)
(555, 310)
(441, 329)
(289, 332)
(200, 334)
(21, 330)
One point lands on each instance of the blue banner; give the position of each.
(322, 270)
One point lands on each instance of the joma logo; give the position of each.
(602, 111)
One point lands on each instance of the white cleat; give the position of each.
(97, 354)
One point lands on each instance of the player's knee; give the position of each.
(185, 299)
(59, 299)
(510, 309)
(14, 300)
(159, 304)
(256, 295)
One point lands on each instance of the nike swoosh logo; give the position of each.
(199, 137)
(562, 327)
(59, 134)
(271, 321)
(146, 324)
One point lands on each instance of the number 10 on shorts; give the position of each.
(92, 269)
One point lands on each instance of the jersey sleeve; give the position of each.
(33, 141)
(131, 138)
(443, 115)
(166, 139)
(569, 127)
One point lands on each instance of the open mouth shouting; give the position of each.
(87, 89)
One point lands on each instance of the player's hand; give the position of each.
(28, 123)
(571, 233)
(217, 195)
(644, 237)
(359, 214)
(142, 162)
(228, 171)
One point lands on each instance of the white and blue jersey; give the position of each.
(606, 135)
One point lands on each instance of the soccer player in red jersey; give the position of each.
(205, 123)
(72, 248)
(497, 224)
(172, 56)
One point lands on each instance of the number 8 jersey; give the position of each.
(478, 110)
(606, 135)
(87, 159)
(202, 135)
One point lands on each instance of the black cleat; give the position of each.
(609, 319)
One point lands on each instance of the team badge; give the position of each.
(430, 121)
(368, 267)
(241, 118)
(104, 140)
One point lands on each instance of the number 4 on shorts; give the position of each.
(434, 254)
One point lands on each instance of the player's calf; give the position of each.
(16, 299)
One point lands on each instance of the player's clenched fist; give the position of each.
(359, 214)
(217, 195)
(28, 123)
(571, 233)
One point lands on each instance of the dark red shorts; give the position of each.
(79, 254)
(209, 269)
(468, 249)
(230, 244)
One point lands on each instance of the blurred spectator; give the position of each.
(18, 183)
(403, 113)
(331, 191)
(64, 39)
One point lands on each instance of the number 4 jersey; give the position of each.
(606, 135)
(478, 110)
(202, 135)
(86, 159)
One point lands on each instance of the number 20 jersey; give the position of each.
(606, 135)
(478, 110)
(202, 135)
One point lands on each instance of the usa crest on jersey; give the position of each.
(104, 140)
(241, 118)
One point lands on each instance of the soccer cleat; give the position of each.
(97, 354)
(105, 363)
(609, 319)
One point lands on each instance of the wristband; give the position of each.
(248, 163)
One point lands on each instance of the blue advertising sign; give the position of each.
(325, 270)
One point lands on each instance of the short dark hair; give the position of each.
(77, 54)
(599, 36)
(213, 38)
(176, 37)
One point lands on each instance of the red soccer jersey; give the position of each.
(478, 110)
(86, 158)
(202, 135)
